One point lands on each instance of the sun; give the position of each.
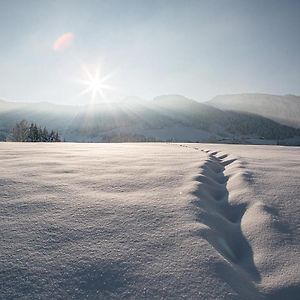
(95, 83)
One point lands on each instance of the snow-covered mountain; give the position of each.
(283, 109)
(169, 117)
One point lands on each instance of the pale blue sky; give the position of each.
(195, 48)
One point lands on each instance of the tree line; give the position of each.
(31, 132)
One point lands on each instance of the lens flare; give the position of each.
(63, 42)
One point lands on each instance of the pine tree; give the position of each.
(23, 132)
(40, 134)
(35, 134)
(30, 137)
(51, 136)
(56, 137)
(45, 135)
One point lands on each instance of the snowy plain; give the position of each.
(149, 221)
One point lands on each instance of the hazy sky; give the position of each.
(148, 48)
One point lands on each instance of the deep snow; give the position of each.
(149, 221)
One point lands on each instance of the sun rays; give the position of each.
(96, 83)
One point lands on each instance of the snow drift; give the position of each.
(147, 221)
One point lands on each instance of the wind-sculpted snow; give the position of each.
(149, 221)
(223, 219)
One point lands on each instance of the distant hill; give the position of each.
(166, 118)
(282, 109)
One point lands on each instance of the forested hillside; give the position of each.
(166, 118)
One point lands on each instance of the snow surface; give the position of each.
(149, 221)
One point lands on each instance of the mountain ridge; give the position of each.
(284, 109)
(167, 117)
